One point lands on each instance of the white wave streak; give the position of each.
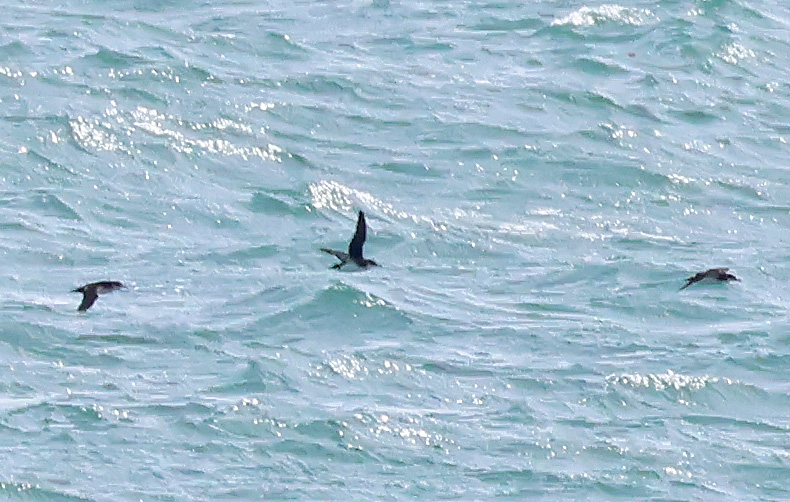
(354, 368)
(589, 16)
(92, 134)
(663, 381)
(733, 53)
(100, 134)
(153, 122)
(339, 197)
(411, 430)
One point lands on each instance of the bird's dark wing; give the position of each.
(355, 248)
(88, 298)
(340, 255)
(691, 280)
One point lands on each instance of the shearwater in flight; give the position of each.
(353, 260)
(90, 292)
(716, 274)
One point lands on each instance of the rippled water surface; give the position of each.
(539, 178)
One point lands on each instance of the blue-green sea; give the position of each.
(539, 179)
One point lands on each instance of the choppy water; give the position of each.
(539, 178)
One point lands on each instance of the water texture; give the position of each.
(539, 178)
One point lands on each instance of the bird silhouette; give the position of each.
(90, 292)
(718, 274)
(353, 259)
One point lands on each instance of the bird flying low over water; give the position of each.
(90, 292)
(716, 274)
(353, 259)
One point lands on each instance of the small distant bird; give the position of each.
(90, 292)
(353, 259)
(717, 274)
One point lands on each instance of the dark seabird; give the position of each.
(718, 274)
(90, 292)
(353, 259)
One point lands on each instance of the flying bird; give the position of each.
(90, 292)
(353, 260)
(716, 274)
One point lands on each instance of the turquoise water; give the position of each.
(538, 182)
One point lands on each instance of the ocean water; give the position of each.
(539, 178)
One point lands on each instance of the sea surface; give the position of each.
(539, 179)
